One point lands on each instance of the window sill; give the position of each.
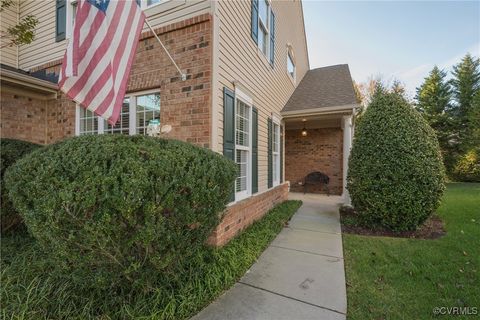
(162, 7)
(264, 58)
(291, 79)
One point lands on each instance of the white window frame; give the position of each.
(144, 4)
(132, 113)
(243, 97)
(266, 28)
(70, 18)
(276, 154)
(291, 57)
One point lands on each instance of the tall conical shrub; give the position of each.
(396, 176)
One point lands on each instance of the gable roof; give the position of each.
(322, 88)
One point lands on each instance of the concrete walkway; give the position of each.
(299, 276)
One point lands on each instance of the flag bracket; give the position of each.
(183, 75)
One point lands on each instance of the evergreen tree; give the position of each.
(465, 83)
(433, 101)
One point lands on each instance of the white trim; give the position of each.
(291, 57)
(69, 18)
(315, 111)
(275, 154)
(214, 137)
(246, 99)
(347, 125)
(239, 93)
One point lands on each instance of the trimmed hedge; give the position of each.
(10, 151)
(396, 175)
(112, 209)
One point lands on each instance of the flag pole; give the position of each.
(183, 75)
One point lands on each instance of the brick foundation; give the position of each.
(185, 105)
(321, 150)
(242, 214)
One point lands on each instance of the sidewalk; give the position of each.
(299, 276)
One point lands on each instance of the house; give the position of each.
(248, 93)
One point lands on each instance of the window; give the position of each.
(87, 121)
(123, 124)
(290, 65)
(150, 3)
(70, 17)
(263, 24)
(148, 108)
(243, 131)
(276, 154)
(137, 112)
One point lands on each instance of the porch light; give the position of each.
(304, 132)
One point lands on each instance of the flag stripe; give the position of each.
(101, 51)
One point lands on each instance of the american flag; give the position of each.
(100, 53)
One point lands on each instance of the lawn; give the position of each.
(31, 289)
(395, 278)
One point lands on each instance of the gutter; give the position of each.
(22, 84)
(319, 111)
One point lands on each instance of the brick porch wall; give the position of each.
(242, 214)
(321, 150)
(185, 105)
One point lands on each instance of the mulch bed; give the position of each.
(433, 228)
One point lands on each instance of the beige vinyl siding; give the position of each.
(44, 49)
(240, 60)
(9, 18)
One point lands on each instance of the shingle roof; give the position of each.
(42, 75)
(323, 87)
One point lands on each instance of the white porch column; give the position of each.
(347, 125)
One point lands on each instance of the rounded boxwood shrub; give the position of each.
(117, 209)
(396, 175)
(10, 151)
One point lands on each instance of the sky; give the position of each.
(394, 39)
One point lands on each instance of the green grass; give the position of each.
(393, 278)
(31, 289)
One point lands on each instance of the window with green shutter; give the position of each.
(61, 20)
(229, 128)
(270, 154)
(254, 150)
(254, 21)
(281, 154)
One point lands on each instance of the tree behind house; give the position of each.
(434, 103)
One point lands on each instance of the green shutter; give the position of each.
(272, 37)
(229, 128)
(254, 150)
(270, 156)
(281, 154)
(254, 21)
(61, 20)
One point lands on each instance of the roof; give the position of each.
(323, 88)
(41, 74)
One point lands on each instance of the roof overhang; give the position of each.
(345, 109)
(26, 85)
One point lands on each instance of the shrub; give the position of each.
(115, 209)
(10, 151)
(396, 176)
(468, 167)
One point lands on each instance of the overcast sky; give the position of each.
(395, 39)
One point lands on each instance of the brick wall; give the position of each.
(321, 150)
(185, 105)
(242, 214)
(23, 118)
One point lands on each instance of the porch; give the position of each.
(319, 130)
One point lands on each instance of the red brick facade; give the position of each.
(242, 214)
(185, 105)
(37, 121)
(321, 150)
